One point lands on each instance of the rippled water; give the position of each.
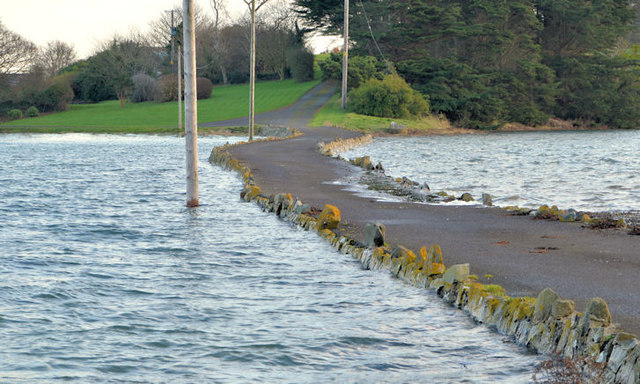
(106, 276)
(593, 170)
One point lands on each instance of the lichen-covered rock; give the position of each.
(544, 304)
(432, 260)
(374, 234)
(598, 309)
(568, 216)
(466, 197)
(252, 192)
(456, 273)
(562, 308)
(329, 218)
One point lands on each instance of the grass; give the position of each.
(333, 115)
(226, 102)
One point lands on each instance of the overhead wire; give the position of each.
(390, 67)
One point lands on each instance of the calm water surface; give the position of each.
(106, 276)
(593, 171)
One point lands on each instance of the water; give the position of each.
(106, 276)
(592, 171)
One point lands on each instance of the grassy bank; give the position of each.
(333, 115)
(226, 102)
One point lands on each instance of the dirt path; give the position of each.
(578, 264)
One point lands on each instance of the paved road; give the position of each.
(585, 263)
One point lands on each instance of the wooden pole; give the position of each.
(179, 90)
(191, 107)
(345, 58)
(252, 72)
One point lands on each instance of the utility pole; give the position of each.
(345, 58)
(173, 39)
(252, 72)
(179, 90)
(191, 107)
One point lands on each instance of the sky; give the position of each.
(85, 23)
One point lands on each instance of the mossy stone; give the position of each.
(562, 308)
(544, 303)
(329, 218)
(456, 273)
(599, 310)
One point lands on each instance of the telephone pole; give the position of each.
(191, 107)
(345, 58)
(252, 72)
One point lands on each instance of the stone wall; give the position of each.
(546, 324)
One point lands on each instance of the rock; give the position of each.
(456, 273)
(487, 200)
(544, 304)
(399, 252)
(568, 216)
(598, 309)
(252, 192)
(301, 208)
(366, 163)
(433, 260)
(379, 167)
(329, 218)
(397, 129)
(562, 308)
(466, 197)
(374, 235)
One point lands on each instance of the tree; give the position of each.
(17, 55)
(55, 56)
(254, 6)
(108, 74)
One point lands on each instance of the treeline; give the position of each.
(139, 67)
(482, 63)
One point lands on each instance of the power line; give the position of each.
(375, 41)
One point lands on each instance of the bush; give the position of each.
(145, 88)
(301, 61)
(55, 97)
(168, 88)
(205, 87)
(15, 114)
(32, 112)
(389, 97)
(361, 69)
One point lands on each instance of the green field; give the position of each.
(226, 102)
(332, 115)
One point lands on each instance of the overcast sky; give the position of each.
(84, 23)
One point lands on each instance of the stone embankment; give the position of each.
(546, 324)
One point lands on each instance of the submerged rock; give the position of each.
(487, 200)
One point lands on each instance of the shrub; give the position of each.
(145, 88)
(301, 61)
(390, 97)
(15, 114)
(361, 69)
(55, 97)
(168, 88)
(32, 112)
(205, 87)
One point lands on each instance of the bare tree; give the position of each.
(219, 48)
(17, 54)
(55, 56)
(160, 28)
(254, 6)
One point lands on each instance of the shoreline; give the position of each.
(545, 324)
